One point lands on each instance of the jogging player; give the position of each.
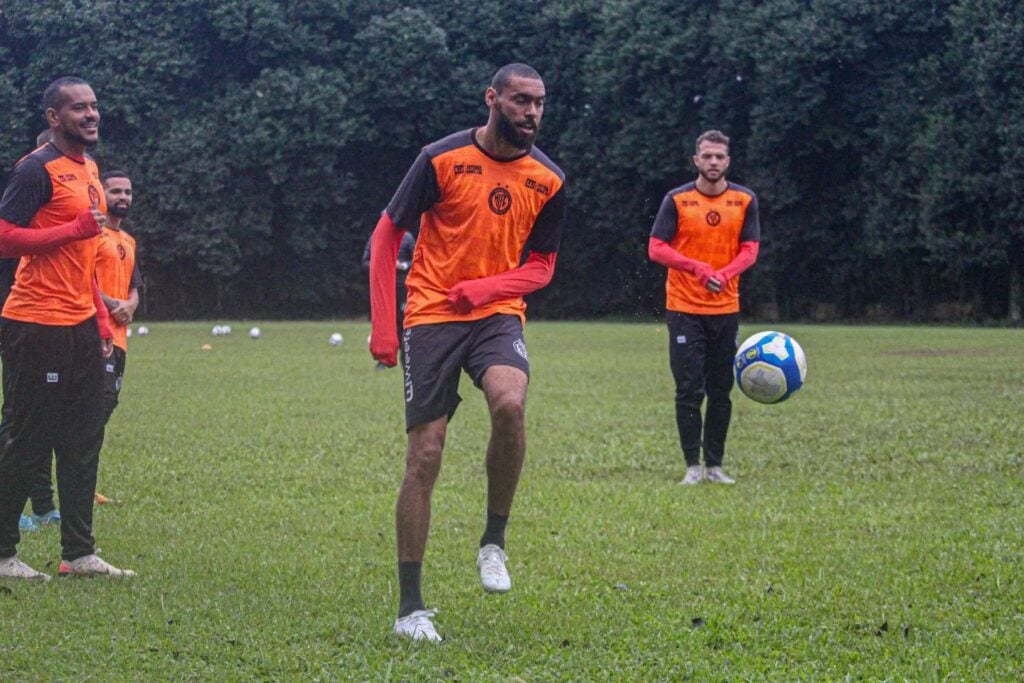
(55, 331)
(706, 233)
(479, 199)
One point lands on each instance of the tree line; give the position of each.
(885, 140)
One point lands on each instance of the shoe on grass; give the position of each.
(493, 574)
(13, 568)
(694, 474)
(418, 626)
(51, 517)
(26, 524)
(717, 476)
(91, 565)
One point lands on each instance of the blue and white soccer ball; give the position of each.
(770, 367)
(336, 339)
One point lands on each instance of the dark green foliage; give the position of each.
(884, 141)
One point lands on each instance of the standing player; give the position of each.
(55, 331)
(44, 512)
(119, 281)
(479, 199)
(706, 233)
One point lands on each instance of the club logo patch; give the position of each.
(94, 196)
(52, 378)
(121, 253)
(499, 200)
(520, 347)
(713, 218)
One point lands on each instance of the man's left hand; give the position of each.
(466, 296)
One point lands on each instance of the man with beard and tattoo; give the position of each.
(119, 279)
(480, 200)
(55, 332)
(706, 233)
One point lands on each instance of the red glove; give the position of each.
(534, 274)
(384, 243)
(17, 241)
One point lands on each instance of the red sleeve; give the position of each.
(746, 258)
(529, 277)
(17, 241)
(661, 252)
(384, 245)
(102, 315)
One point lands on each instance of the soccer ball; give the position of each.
(143, 330)
(770, 367)
(128, 332)
(336, 339)
(225, 329)
(254, 333)
(217, 330)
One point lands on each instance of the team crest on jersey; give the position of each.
(121, 253)
(94, 196)
(713, 218)
(499, 200)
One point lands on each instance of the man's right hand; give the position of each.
(90, 224)
(384, 347)
(100, 218)
(703, 273)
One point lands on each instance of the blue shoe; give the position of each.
(26, 524)
(51, 517)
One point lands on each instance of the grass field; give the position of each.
(875, 532)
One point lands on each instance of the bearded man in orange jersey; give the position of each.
(479, 199)
(706, 233)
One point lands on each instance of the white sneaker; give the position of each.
(418, 626)
(693, 475)
(717, 476)
(493, 574)
(13, 568)
(91, 565)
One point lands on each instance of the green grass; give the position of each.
(875, 532)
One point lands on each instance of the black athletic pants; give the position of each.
(53, 405)
(700, 351)
(40, 490)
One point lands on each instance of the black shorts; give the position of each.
(436, 354)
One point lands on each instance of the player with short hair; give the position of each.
(706, 233)
(480, 199)
(119, 279)
(55, 331)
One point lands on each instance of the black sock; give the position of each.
(409, 599)
(495, 531)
